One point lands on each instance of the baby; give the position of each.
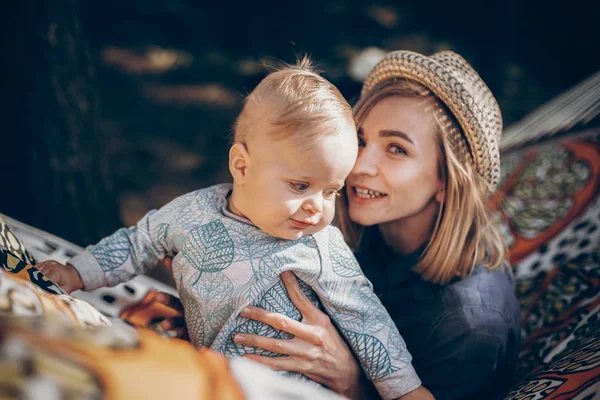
(295, 142)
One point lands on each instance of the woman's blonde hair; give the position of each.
(298, 101)
(464, 234)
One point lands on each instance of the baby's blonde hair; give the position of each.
(294, 99)
(464, 234)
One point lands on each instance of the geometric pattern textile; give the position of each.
(549, 211)
(544, 189)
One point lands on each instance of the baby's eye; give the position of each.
(298, 186)
(395, 149)
(330, 194)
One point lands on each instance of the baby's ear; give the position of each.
(239, 161)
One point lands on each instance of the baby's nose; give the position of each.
(313, 205)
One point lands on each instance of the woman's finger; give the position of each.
(280, 346)
(282, 322)
(168, 262)
(169, 301)
(173, 323)
(300, 300)
(288, 347)
(317, 378)
(279, 363)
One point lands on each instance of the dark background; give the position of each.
(114, 107)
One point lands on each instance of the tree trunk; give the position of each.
(65, 186)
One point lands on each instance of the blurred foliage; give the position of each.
(172, 74)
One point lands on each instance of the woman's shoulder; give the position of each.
(482, 299)
(475, 334)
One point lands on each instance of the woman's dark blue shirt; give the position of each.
(464, 336)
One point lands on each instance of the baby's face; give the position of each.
(291, 186)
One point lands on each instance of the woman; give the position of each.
(415, 210)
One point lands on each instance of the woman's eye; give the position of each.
(361, 142)
(300, 187)
(329, 194)
(395, 149)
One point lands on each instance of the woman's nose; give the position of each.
(314, 204)
(366, 162)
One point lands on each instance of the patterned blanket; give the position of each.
(549, 206)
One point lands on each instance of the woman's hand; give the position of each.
(317, 349)
(175, 324)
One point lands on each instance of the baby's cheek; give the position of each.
(289, 208)
(328, 214)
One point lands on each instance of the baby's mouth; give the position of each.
(302, 224)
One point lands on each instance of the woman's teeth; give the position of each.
(368, 194)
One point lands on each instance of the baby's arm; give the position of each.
(349, 300)
(132, 251)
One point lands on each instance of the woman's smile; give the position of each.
(364, 196)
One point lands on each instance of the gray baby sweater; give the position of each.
(222, 263)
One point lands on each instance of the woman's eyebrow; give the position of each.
(400, 134)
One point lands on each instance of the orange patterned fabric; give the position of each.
(77, 360)
(55, 346)
(574, 370)
(547, 188)
(550, 210)
(148, 312)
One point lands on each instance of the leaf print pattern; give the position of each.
(362, 320)
(359, 305)
(115, 276)
(215, 319)
(275, 300)
(248, 292)
(188, 217)
(374, 358)
(174, 207)
(214, 290)
(343, 261)
(193, 316)
(252, 244)
(255, 328)
(225, 264)
(264, 271)
(397, 347)
(214, 287)
(209, 247)
(160, 236)
(112, 252)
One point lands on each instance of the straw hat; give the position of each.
(463, 91)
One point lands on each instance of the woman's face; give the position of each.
(395, 177)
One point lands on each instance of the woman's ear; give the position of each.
(441, 194)
(239, 161)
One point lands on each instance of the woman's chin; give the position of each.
(361, 217)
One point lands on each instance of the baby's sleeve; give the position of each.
(348, 297)
(132, 251)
